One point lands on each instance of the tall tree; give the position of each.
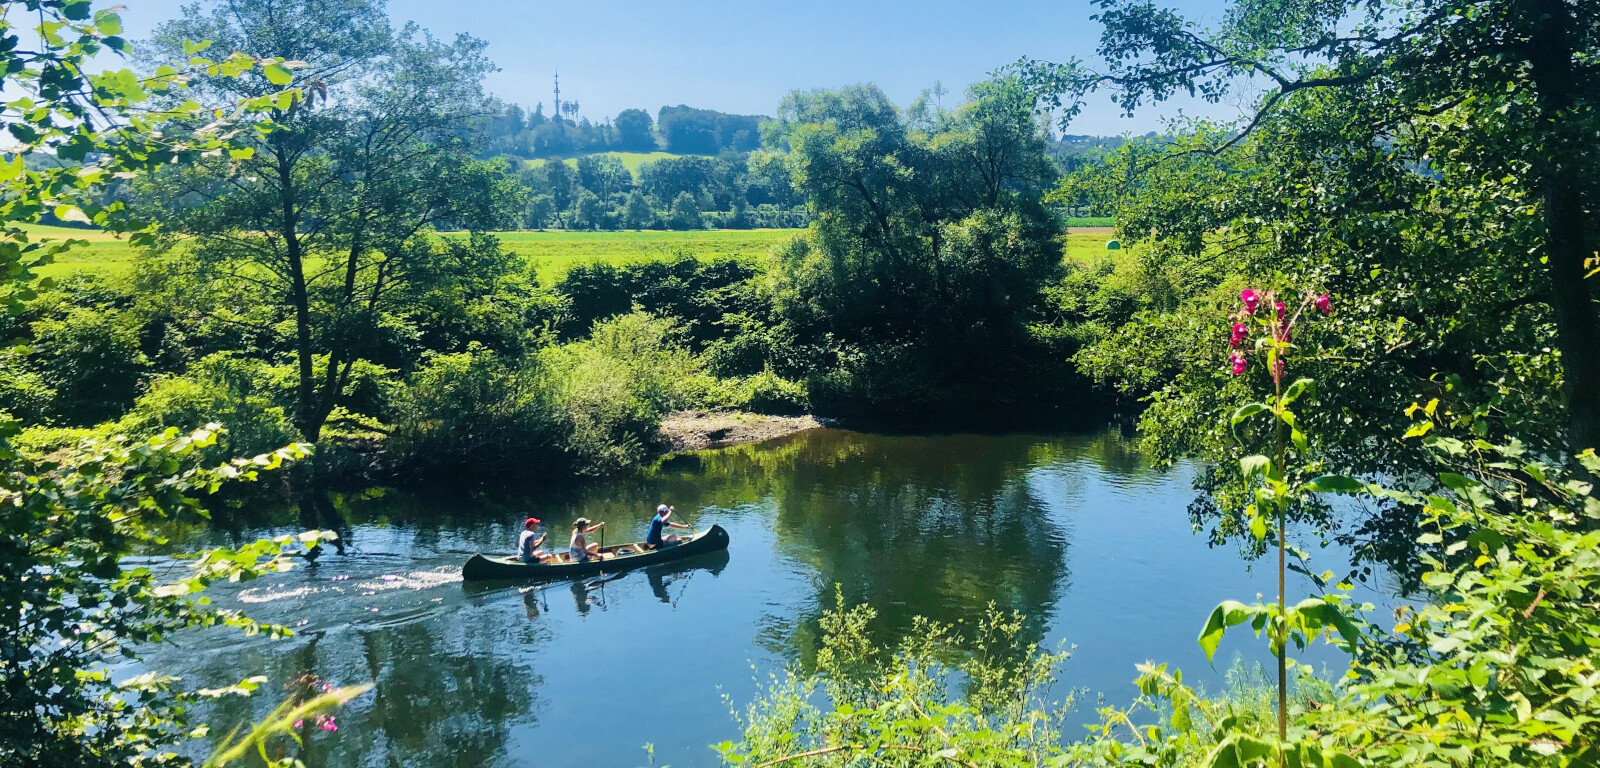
(1496, 99)
(634, 131)
(931, 244)
(323, 215)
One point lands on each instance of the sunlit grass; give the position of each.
(550, 253)
(630, 160)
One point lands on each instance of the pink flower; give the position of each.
(1325, 304)
(299, 723)
(330, 725)
(1240, 363)
(1282, 309)
(1251, 300)
(1240, 331)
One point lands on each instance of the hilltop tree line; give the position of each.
(683, 130)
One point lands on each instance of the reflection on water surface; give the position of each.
(1073, 531)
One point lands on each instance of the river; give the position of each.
(1075, 531)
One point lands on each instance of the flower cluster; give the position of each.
(1277, 326)
(309, 686)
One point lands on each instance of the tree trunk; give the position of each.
(306, 419)
(1571, 297)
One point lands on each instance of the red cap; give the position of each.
(531, 521)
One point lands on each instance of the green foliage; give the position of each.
(1400, 155)
(685, 212)
(246, 396)
(930, 245)
(587, 407)
(474, 411)
(391, 109)
(971, 696)
(71, 606)
(612, 388)
(92, 361)
(695, 292)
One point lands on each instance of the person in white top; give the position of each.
(580, 548)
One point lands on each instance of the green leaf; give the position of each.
(1228, 613)
(1246, 411)
(1254, 465)
(1298, 388)
(277, 74)
(1333, 484)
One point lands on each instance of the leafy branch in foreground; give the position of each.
(73, 603)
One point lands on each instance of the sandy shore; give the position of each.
(699, 430)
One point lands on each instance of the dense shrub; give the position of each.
(476, 411)
(694, 292)
(767, 392)
(613, 387)
(247, 397)
(92, 359)
(24, 392)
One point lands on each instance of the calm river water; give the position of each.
(1074, 531)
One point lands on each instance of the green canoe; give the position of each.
(618, 558)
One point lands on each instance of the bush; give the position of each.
(92, 359)
(613, 387)
(696, 293)
(247, 397)
(767, 392)
(475, 412)
(24, 392)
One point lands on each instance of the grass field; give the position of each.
(105, 253)
(550, 253)
(630, 160)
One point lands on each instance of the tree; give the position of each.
(604, 175)
(1492, 105)
(588, 212)
(687, 130)
(685, 213)
(637, 214)
(928, 247)
(634, 131)
(322, 217)
(664, 179)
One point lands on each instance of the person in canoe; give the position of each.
(529, 543)
(658, 537)
(580, 548)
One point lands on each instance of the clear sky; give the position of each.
(744, 56)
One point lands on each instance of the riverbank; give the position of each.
(699, 430)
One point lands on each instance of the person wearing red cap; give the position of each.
(528, 544)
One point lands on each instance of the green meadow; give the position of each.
(550, 253)
(630, 160)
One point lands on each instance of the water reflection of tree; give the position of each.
(443, 694)
(934, 526)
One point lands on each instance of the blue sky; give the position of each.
(744, 56)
